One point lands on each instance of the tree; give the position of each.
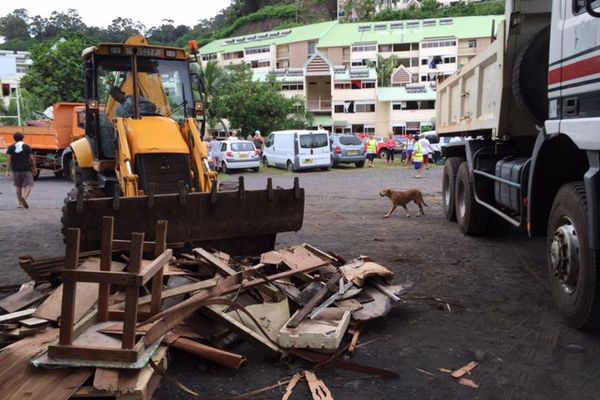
(384, 68)
(55, 74)
(121, 29)
(15, 25)
(252, 105)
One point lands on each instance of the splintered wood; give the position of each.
(318, 389)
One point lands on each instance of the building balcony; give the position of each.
(318, 104)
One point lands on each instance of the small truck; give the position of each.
(50, 140)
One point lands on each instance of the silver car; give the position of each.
(238, 154)
(347, 149)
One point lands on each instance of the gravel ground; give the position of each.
(508, 322)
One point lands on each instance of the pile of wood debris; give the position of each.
(297, 302)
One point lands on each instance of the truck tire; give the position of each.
(530, 76)
(472, 218)
(448, 186)
(382, 154)
(574, 275)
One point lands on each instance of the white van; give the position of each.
(296, 150)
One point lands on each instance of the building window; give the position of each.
(385, 48)
(258, 50)
(211, 56)
(283, 64)
(397, 106)
(292, 86)
(399, 130)
(402, 47)
(427, 105)
(364, 47)
(369, 129)
(365, 107)
(368, 85)
(343, 86)
(472, 44)
(414, 62)
(338, 108)
(449, 60)
(423, 78)
(312, 48)
(441, 43)
(260, 64)
(423, 61)
(411, 105)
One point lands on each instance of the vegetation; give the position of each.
(433, 9)
(252, 105)
(384, 68)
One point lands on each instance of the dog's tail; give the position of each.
(423, 201)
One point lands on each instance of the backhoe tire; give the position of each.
(574, 273)
(472, 218)
(448, 187)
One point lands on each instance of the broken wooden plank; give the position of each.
(291, 385)
(19, 377)
(16, 315)
(326, 331)
(355, 337)
(23, 298)
(298, 257)
(464, 370)
(258, 339)
(86, 294)
(318, 389)
(468, 382)
(359, 271)
(222, 357)
(215, 261)
(312, 303)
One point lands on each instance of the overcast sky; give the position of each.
(101, 13)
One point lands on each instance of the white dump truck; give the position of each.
(530, 108)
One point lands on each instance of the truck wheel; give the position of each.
(448, 185)
(472, 218)
(382, 154)
(574, 276)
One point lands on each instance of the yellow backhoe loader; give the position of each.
(142, 159)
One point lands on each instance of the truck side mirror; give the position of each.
(589, 7)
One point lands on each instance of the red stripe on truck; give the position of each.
(580, 69)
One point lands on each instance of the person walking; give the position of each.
(259, 142)
(215, 152)
(21, 166)
(427, 150)
(418, 159)
(371, 149)
(391, 149)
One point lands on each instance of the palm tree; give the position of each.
(212, 78)
(384, 68)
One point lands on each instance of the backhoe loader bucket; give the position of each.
(240, 222)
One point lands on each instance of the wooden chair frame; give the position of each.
(135, 277)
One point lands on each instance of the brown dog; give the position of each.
(402, 198)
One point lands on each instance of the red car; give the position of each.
(382, 148)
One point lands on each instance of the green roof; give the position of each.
(390, 32)
(405, 94)
(298, 34)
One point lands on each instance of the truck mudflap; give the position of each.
(240, 222)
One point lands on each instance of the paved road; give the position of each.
(506, 320)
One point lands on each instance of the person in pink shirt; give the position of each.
(391, 148)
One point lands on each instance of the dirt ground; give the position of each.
(507, 321)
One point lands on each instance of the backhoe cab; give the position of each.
(143, 159)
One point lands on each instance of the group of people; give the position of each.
(214, 145)
(417, 151)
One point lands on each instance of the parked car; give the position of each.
(296, 150)
(238, 154)
(347, 149)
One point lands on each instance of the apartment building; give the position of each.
(331, 65)
(13, 65)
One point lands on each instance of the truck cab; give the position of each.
(530, 105)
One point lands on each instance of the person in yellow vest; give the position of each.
(371, 149)
(418, 153)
